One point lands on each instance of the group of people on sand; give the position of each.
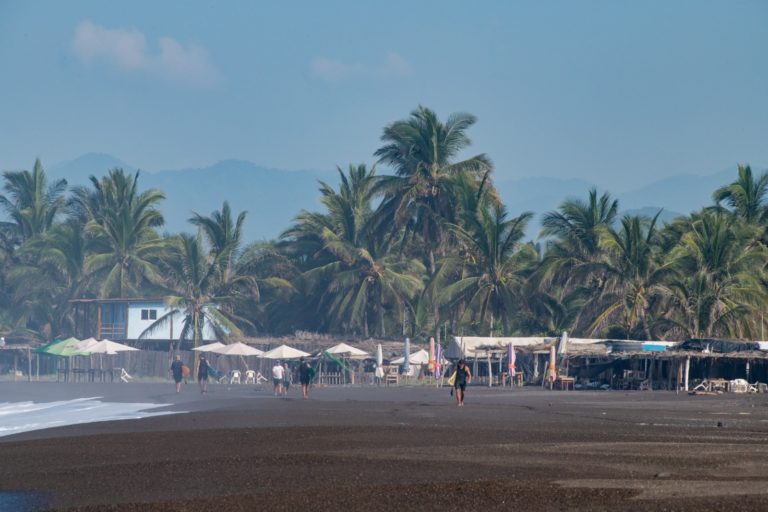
(281, 375)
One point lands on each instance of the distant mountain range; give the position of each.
(273, 197)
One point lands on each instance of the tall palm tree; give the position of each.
(423, 152)
(50, 273)
(193, 276)
(493, 267)
(720, 278)
(745, 195)
(238, 273)
(354, 278)
(575, 233)
(30, 202)
(636, 276)
(122, 223)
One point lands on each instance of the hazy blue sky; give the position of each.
(619, 93)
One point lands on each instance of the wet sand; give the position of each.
(388, 448)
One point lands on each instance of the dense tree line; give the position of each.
(428, 250)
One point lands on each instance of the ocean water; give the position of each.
(18, 501)
(16, 417)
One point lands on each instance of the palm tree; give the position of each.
(579, 226)
(635, 276)
(720, 276)
(238, 273)
(49, 275)
(423, 150)
(493, 266)
(193, 276)
(31, 204)
(576, 231)
(745, 195)
(351, 274)
(121, 222)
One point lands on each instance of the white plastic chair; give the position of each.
(250, 377)
(125, 376)
(234, 376)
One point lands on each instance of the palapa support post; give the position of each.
(651, 368)
(687, 371)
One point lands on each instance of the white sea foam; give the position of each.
(16, 417)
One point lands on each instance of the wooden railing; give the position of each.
(113, 331)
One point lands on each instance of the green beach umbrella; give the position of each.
(63, 348)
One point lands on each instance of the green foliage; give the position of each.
(429, 250)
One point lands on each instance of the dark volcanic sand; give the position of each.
(407, 448)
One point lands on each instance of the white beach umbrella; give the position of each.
(285, 352)
(109, 347)
(86, 344)
(342, 349)
(379, 362)
(420, 357)
(237, 349)
(407, 358)
(209, 347)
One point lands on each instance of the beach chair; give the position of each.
(260, 378)
(125, 376)
(234, 376)
(250, 377)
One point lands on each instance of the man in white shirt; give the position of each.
(278, 374)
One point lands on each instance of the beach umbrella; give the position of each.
(407, 358)
(63, 348)
(552, 364)
(431, 364)
(511, 357)
(237, 349)
(342, 349)
(419, 357)
(86, 344)
(209, 347)
(438, 362)
(109, 347)
(379, 362)
(285, 352)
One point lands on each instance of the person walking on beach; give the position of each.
(461, 378)
(177, 369)
(278, 374)
(202, 374)
(306, 372)
(286, 379)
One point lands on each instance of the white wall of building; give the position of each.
(172, 330)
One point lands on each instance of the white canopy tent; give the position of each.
(105, 347)
(285, 352)
(419, 357)
(342, 349)
(237, 349)
(209, 347)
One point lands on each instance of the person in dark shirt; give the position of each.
(177, 369)
(463, 377)
(202, 374)
(306, 373)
